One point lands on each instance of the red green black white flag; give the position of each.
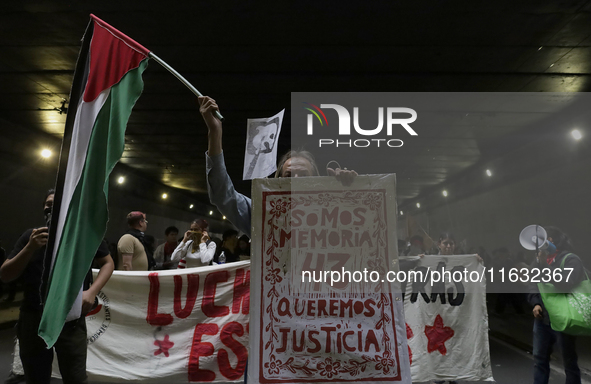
(107, 83)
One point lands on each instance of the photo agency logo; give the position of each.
(393, 118)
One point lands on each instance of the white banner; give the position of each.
(348, 329)
(192, 325)
(447, 322)
(176, 326)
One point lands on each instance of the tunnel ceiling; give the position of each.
(250, 56)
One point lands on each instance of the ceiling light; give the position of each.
(418, 205)
(401, 213)
(46, 153)
(210, 213)
(191, 206)
(488, 173)
(445, 193)
(164, 195)
(121, 180)
(224, 217)
(576, 134)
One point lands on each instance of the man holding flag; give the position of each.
(106, 85)
(26, 262)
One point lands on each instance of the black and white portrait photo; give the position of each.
(260, 156)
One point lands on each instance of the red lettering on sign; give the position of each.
(241, 292)
(371, 339)
(239, 350)
(347, 347)
(192, 291)
(283, 347)
(211, 281)
(311, 337)
(296, 347)
(328, 331)
(368, 304)
(322, 308)
(198, 349)
(307, 266)
(153, 317)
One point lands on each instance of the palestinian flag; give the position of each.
(107, 83)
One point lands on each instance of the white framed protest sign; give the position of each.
(322, 309)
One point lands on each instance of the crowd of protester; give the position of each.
(138, 250)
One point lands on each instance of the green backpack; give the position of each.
(569, 312)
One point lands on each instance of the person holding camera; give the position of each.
(26, 262)
(195, 250)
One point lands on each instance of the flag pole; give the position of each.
(182, 79)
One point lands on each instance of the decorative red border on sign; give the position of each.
(382, 362)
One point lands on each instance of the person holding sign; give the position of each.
(232, 204)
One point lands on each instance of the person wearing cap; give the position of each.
(133, 254)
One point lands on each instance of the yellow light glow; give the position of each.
(121, 180)
(224, 217)
(164, 195)
(191, 206)
(210, 213)
(46, 153)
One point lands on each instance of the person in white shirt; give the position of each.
(194, 250)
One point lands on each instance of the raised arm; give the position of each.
(181, 250)
(207, 106)
(18, 260)
(232, 204)
(205, 252)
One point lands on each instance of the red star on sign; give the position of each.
(163, 346)
(409, 334)
(438, 335)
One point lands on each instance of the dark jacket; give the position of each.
(577, 275)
